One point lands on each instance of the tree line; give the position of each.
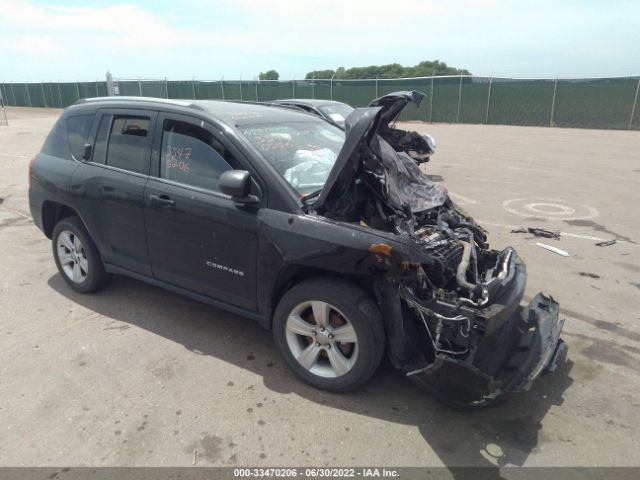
(425, 68)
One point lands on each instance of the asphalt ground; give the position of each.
(136, 375)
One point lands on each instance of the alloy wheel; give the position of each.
(72, 256)
(321, 339)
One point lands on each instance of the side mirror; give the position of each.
(237, 184)
(86, 153)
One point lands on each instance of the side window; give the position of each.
(127, 147)
(56, 142)
(192, 156)
(78, 129)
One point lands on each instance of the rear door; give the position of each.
(111, 183)
(198, 238)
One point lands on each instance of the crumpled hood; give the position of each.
(360, 127)
(394, 103)
(393, 176)
(406, 185)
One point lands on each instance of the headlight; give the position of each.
(430, 141)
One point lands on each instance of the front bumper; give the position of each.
(536, 347)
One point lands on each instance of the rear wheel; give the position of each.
(77, 257)
(330, 333)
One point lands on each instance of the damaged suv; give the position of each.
(334, 240)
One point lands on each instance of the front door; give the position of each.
(198, 238)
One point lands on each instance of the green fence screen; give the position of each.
(607, 103)
(49, 94)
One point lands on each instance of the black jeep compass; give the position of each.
(333, 239)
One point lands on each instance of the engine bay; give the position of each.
(453, 313)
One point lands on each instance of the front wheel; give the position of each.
(330, 333)
(77, 257)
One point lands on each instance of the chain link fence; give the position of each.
(605, 103)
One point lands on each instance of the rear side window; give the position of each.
(192, 156)
(68, 136)
(56, 143)
(127, 145)
(78, 129)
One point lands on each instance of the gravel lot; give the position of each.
(135, 375)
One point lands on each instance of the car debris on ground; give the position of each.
(606, 243)
(538, 232)
(589, 274)
(553, 249)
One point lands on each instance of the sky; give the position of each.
(232, 39)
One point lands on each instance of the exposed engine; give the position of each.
(418, 146)
(451, 304)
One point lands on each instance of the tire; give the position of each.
(77, 257)
(338, 366)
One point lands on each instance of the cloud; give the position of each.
(73, 41)
(111, 26)
(209, 39)
(32, 45)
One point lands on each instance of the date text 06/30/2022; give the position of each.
(311, 472)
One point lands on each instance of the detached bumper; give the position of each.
(533, 334)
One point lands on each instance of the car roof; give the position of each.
(250, 113)
(312, 102)
(236, 113)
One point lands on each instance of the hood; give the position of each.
(392, 176)
(393, 103)
(360, 127)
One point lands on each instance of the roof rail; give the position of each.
(181, 103)
(269, 103)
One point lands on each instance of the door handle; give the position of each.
(162, 201)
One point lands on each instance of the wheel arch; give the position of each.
(294, 274)
(52, 213)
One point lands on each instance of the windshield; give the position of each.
(337, 112)
(302, 152)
